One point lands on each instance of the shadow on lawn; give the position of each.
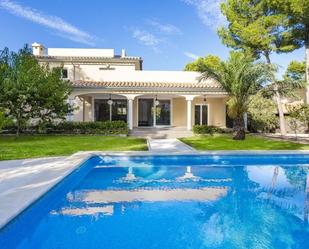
(225, 142)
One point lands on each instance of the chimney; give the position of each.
(38, 49)
(123, 53)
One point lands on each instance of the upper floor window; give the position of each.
(64, 73)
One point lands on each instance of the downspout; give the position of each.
(83, 98)
(73, 68)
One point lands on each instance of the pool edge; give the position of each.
(82, 156)
(208, 152)
(78, 158)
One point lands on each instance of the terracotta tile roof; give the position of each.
(134, 84)
(86, 58)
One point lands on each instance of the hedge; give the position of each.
(98, 127)
(205, 129)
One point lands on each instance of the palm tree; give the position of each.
(241, 78)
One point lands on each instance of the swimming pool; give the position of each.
(196, 201)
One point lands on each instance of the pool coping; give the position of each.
(196, 152)
(76, 160)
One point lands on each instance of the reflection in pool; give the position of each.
(172, 202)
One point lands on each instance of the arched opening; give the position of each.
(110, 107)
(100, 107)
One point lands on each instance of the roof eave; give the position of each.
(152, 89)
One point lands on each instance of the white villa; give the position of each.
(114, 87)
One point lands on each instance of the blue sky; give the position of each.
(167, 34)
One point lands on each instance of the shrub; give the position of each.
(298, 118)
(205, 129)
(262, 114)
(98, 127)
(4, 121)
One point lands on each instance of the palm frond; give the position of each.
(241, 78)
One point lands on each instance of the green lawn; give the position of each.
(225, 142)
(40, 146)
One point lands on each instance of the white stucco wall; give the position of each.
(92, 72)
(78, 112)
(216, 111)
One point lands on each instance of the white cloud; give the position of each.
(146, 38)
(191, 55)
(208, 11)
(167, 29)
(55, 23)
(154, 36)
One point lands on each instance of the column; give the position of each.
(130, 113)
(92, 109)
(130, 98)
(189, 99)
(154, 115)
(189, 114)
(84, 111)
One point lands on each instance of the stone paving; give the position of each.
(168, 145)
(24, 181)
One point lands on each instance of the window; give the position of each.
(201, 114)
(64, 73)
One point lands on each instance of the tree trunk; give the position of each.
(239, 128)
(278, 100)
(307, 66)
(280, 111)
(17, 115)
(307, 71)
(273, 181)
(17, 129)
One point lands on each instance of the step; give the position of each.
(161, 133)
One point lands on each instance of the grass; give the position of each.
(225, 142)
(41, 146)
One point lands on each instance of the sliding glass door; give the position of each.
(145, 112)
(101, 110)
(119, 109)
(105, 112)
(163, 112)
(150, 116)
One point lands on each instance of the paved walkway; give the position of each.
(168, 145)
(24, 181)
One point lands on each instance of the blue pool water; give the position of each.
(228, 202)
